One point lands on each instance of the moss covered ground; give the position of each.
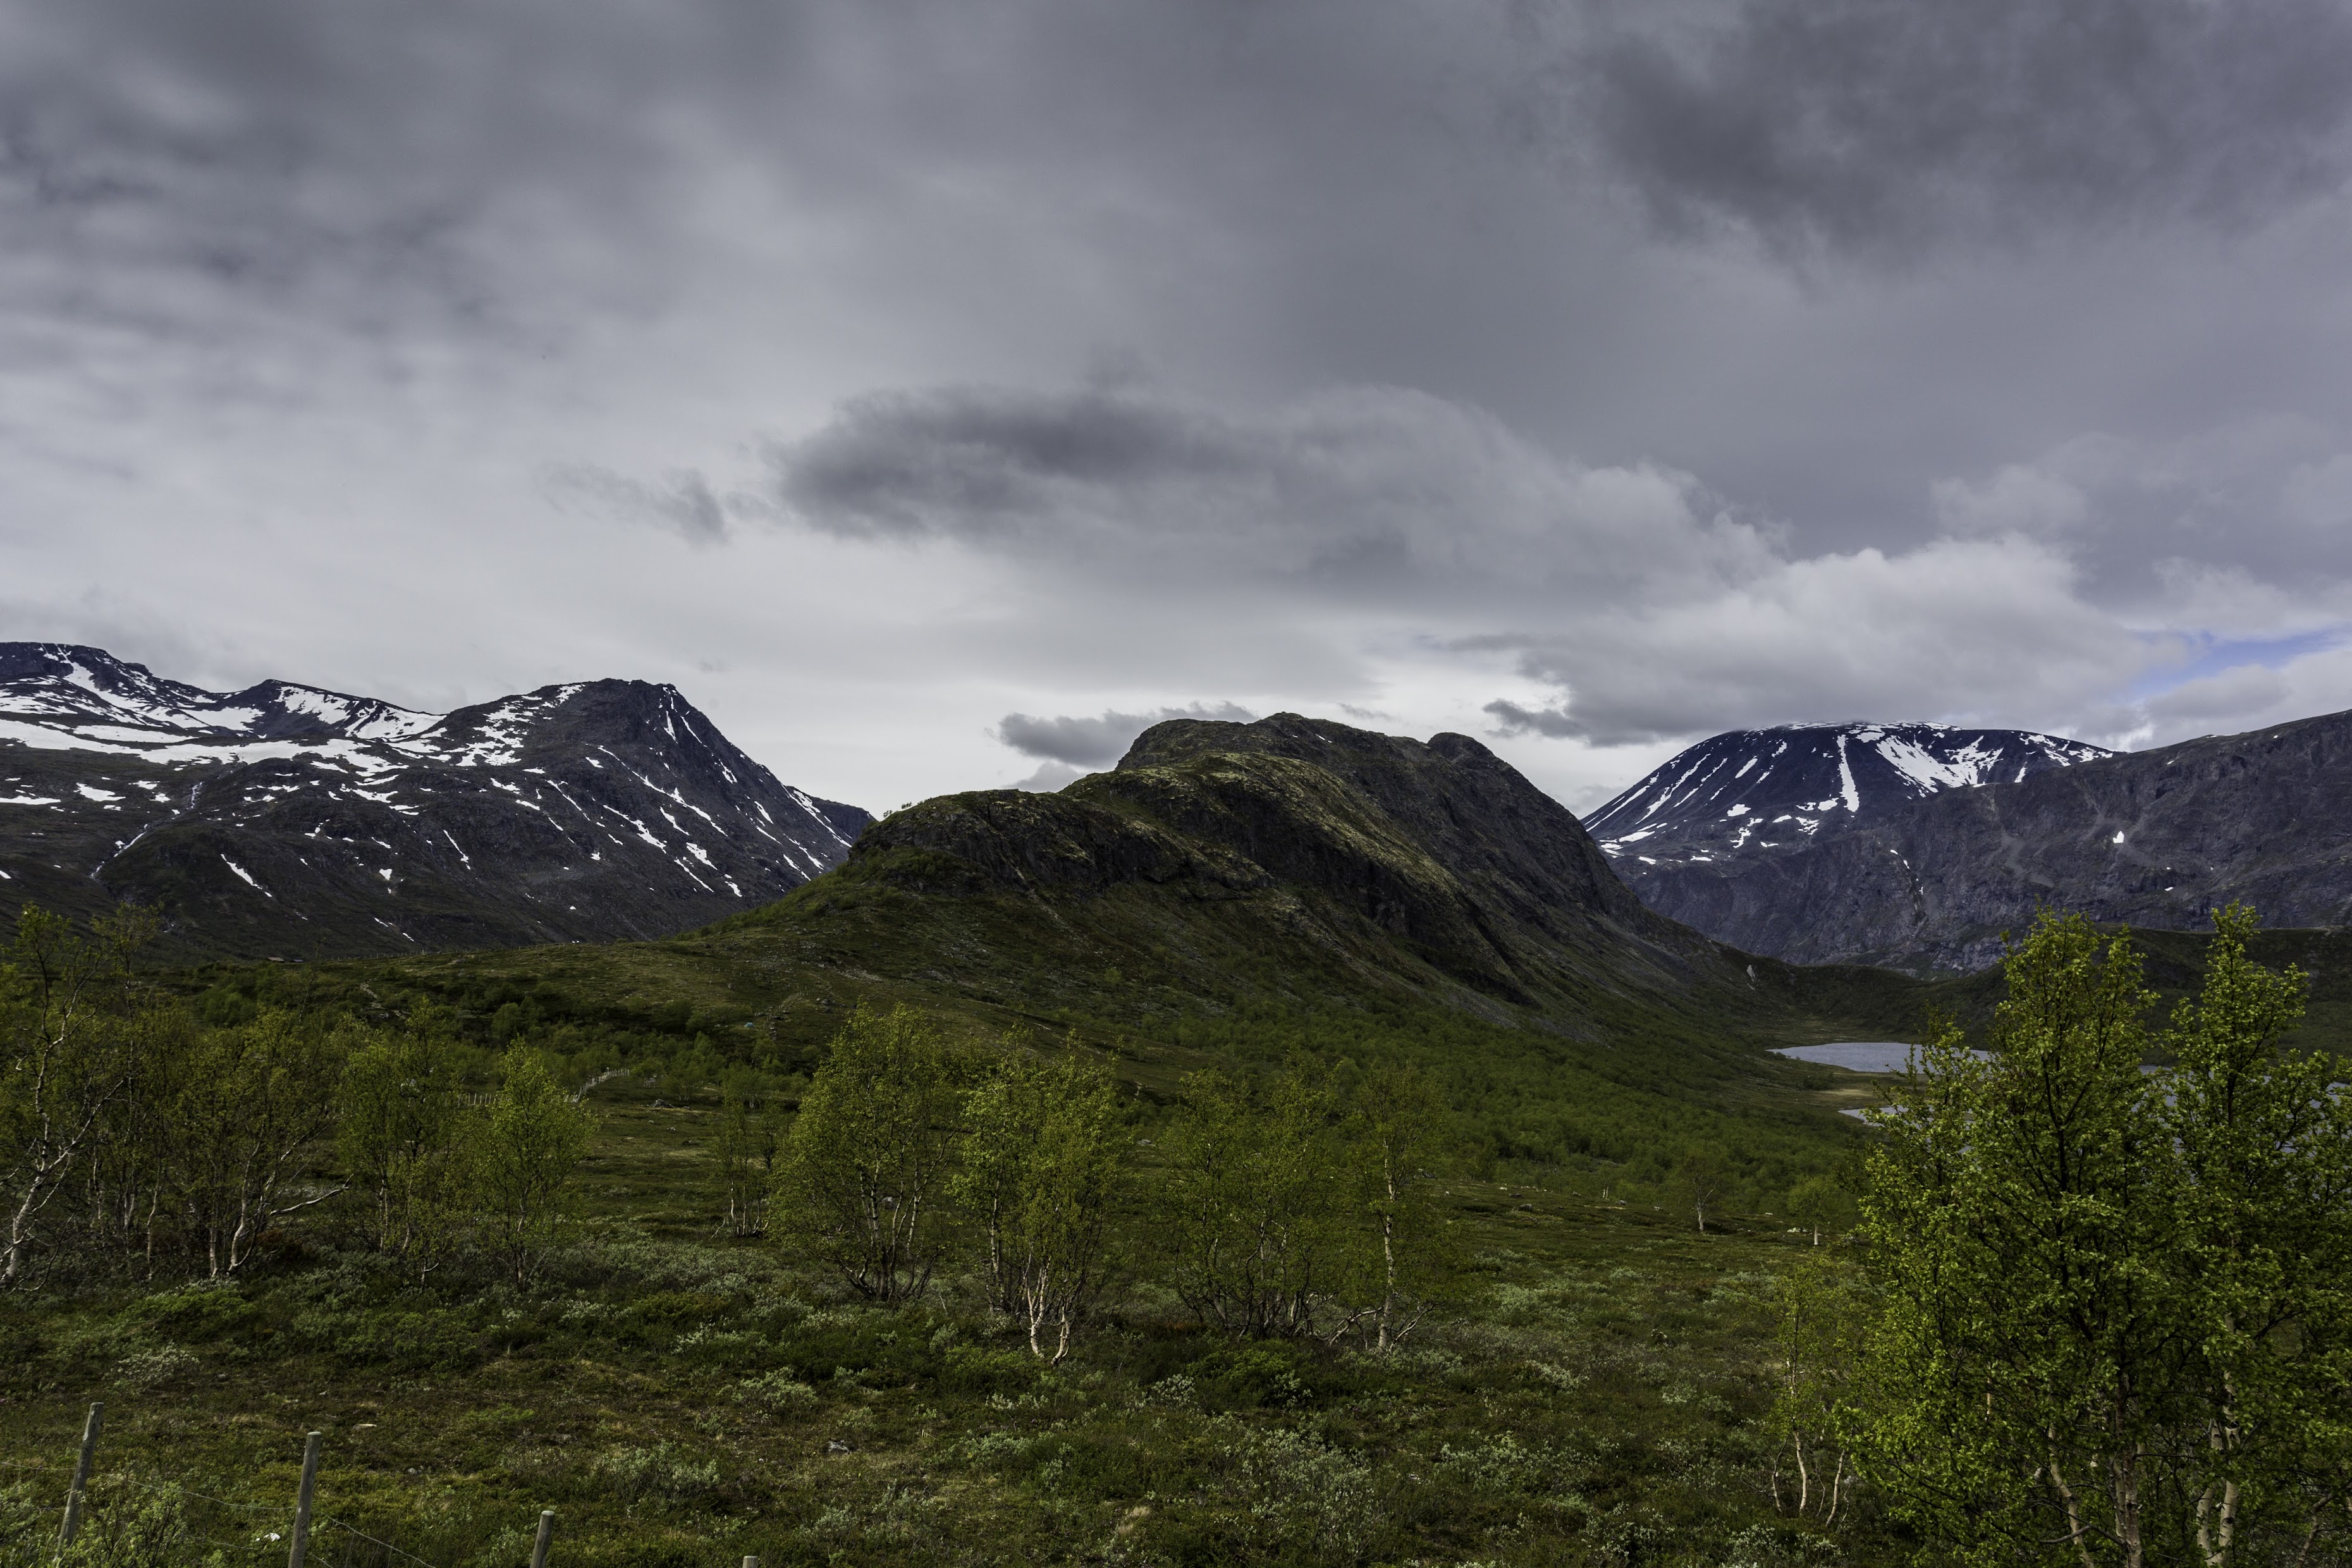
(1591, 1393)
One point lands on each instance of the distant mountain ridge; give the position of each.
(2157, 839)
(1758, 791)
(290, 821)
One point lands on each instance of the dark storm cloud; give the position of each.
(1103, 739)
(1513, 719)
(1877, 124)
(994, 461)
(1371, 490)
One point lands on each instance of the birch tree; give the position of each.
(518, 1155)
(1397, 1129)
(1818, 1322)
(70, 1029)
(2115, 1326)
(397, 1136)
(1818, 1204)
(252, 1103)
(746, 1147)
(1255, 1206)
(862, 1183)
(2030, 1330)
(2262, 1216)
(1041, 1166)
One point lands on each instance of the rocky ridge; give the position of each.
(290, 821)
(1756, 793)
(1431, 867)
(2155, 839)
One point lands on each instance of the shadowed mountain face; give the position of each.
(1753, 793)
(285, 821)
(2155, 839)
(1429, 867)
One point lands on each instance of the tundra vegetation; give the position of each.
(1313, 1289)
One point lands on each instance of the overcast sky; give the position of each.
(936, 391)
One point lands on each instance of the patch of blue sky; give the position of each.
(2205, 655)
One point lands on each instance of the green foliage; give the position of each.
(138, 1525)
(749, 1133)
(519, 1154)
(2259, 1180)
(865, 1170)
(72, 1028)
(1398, 1126)
(398, 1138)
(1255, 1205)
(1703, 1181)
(2113, 1322)
(1593, 1386)
(1820, 1203)
(1821, 1314)
(245, 1103)
(1040, 1169)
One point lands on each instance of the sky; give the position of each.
(940, 391)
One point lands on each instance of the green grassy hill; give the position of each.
(1222, 896)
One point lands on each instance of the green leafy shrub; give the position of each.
(662, 1471)
(775, 1394)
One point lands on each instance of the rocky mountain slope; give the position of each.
(2155, 839)
(287, 821)
(1290, 859)
(1756, 793)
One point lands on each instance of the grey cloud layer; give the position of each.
(1359, 491)
(1646, 610)
(1889, 123)
(1103, 739)
(1434, 419)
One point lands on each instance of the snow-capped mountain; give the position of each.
(285, 820)
(1754, 792)
(2155, 840)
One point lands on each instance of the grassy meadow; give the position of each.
(1591, 1391)
(1591, 1384)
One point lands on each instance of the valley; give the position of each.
(1594, 1381)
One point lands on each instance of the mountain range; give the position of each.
(1754, 793)
(1743, 836)
(289, 821)
(1290, 883)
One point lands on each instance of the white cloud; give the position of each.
(2319, 495)
(2015, 500)
(1988, 629)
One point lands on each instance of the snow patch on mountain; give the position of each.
(1750, 792)
(298, 797)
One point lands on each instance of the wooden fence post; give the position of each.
(546, 1534)
(82, 1479)
(302, 1503)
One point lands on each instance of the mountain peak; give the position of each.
(1755, 791)
(288, 819)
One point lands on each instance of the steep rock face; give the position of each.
(287, 821)
(1756, 793)
(1368, 842)
(2153, 838)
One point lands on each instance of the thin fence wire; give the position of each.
(180, 1488)
(387, 1545)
